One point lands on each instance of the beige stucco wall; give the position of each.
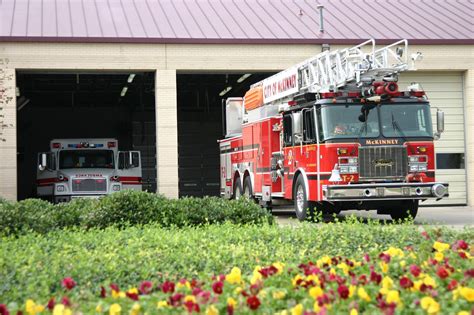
(169, 59)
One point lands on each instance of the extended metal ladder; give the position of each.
(331, 70)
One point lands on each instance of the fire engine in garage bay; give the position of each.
(334, 133)
(86, 168)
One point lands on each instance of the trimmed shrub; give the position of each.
(124, 209)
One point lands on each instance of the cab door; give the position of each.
(130, 169)
(46, 174)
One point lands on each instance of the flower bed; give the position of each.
(429, 276)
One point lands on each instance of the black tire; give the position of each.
(237, 189)
(247, 191)
(304, 208)
(404, 210)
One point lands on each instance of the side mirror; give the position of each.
(440, 121)
(43, 162)
(439, 124)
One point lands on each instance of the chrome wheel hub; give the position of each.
(300, 199)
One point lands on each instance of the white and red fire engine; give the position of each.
(334, 133)
(86, 168)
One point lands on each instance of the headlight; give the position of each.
(413, 158)
(352, 169)
(343, 169)
(60, 188)
(352, 160)
(414, 168)
(116, 187)
(422, 167)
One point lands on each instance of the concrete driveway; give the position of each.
(451, 216)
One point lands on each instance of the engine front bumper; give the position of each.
(385, 191)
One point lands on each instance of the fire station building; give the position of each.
(153, 74)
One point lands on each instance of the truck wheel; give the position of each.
(405, 210)
(303, 207)
(237, 189)
(247, 192)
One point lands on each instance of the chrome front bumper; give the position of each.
(385, 191)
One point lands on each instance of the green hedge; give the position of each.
(124, 209)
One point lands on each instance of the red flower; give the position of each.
(217, 287)
(51, 304)
(103, 293)
(19, 313)
(175, 300)
(114, 287)
(68, 283)
(253, 302)
(385, 257)
(145, 287)
(343, 291)
(132, 296)
(4, 310)
(375, 277)
(203, 297)
(415, 270)
(65, 301)
(230, 310)
(425, 235)
(192, 307)
(442, 273)
(463, 255)
(462, 244)
(406, 283)
(167, 287)
(367, 257)
(363, 279)
(452, 285)
(469, 273)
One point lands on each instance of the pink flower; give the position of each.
(415, 270)
(68, 283)
(469, 273)
(385, 257)
(145, 287)
(65, 301)
(452, 285)
(462, 244)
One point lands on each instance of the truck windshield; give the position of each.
(413, 120)
(86, 159)
(394, 120)
(341, 121)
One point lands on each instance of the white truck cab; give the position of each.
(91, 168)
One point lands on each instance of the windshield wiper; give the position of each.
(396, 126)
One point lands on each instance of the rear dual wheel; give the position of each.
(245, 191)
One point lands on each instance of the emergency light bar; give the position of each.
(84, 145)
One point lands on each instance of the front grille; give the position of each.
(383, 162)
(89, 185)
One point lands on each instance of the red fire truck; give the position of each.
(334, 133)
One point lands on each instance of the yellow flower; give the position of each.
(231, 302)
(344, 267)
(353, 312)
(262, 294)
(463, 313)
(115, 294)
(238, 290)
(162, 304)
(190, 298)
(440, 247)
(467, 293)
(212, 310)
(115, 309)
(133, 291)
(394, 252)
(332, 271)
(60, 309)
(256, 276)
(393, 297)
(278, 295)
(417, 285)
(235, 276)
(429, 281)
(439, 256)
(297, 310)
(315, 292)
(295, 280)
(313, 278)
(323, 260)
(403, 263)
(279, 266)
(387, 282)
(30, 307)
(384, 267)
(183, 285)
(352, 289)
(99, 308)
(363, 294)
(135, 309)
(430, 305)
(316, 307)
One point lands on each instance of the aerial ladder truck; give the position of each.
(334, 133)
